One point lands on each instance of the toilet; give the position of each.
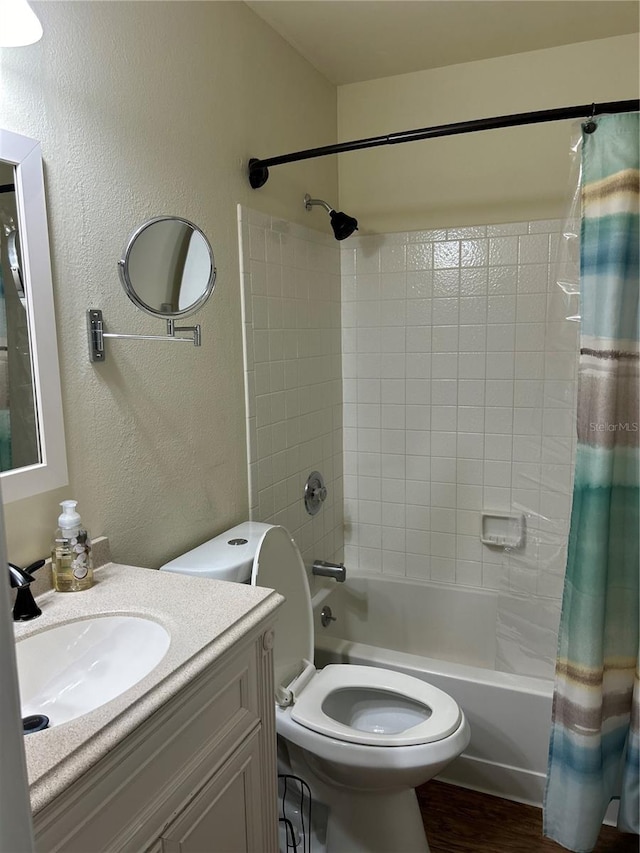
(362, 738)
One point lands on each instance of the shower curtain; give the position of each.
(594, 750)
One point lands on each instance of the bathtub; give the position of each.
(446, 636)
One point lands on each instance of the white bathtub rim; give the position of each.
(419, 663)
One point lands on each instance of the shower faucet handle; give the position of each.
(337, 571)
(315, 492)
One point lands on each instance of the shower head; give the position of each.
(343, 225)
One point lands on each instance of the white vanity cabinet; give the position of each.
(198, 776)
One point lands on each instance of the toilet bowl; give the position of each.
(361, 737)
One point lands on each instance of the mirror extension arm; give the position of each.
(97, 334)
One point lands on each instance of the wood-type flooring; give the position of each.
(461, 821)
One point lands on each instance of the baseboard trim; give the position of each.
(510, 783)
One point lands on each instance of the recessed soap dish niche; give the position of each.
(503, 529)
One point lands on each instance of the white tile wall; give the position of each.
(459, 371)
(293, 377)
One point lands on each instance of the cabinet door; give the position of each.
(226, 815)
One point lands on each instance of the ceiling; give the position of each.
(353, 40)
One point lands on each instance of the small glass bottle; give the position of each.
(71, 560)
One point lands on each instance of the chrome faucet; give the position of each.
(336, 571)
(25, 607)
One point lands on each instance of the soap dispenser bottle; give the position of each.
(71, 561)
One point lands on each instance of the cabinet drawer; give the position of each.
(225, 816)
(124, 802)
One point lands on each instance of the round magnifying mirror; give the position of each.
(167, 268)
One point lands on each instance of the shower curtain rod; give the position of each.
(259, 169)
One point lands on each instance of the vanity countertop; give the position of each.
(204, 617)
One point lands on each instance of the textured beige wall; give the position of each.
(490, 177)
(142, 109)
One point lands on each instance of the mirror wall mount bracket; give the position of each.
(97, 334)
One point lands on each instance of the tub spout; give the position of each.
(336, 571)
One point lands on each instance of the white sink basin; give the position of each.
(71, 669)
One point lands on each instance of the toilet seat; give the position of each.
(442, 715)
(412, 711)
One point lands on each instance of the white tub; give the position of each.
(446, 636)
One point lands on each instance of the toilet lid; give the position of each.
(278, 565)
(374, 706)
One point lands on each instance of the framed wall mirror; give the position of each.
(32, 447)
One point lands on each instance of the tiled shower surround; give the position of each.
(459, 380)
(458, 389)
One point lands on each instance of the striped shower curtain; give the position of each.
(594, 749)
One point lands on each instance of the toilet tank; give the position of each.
(227, 557)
